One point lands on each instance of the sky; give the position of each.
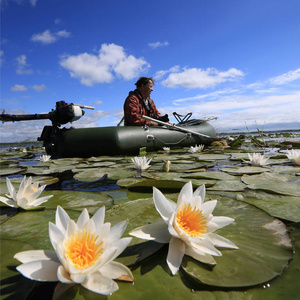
(236, 60)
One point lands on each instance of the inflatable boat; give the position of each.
(113, 140)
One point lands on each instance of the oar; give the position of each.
(173, 126)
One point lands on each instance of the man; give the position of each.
(139, 103)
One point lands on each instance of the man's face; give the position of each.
(147, 89)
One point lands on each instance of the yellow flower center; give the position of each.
(191, 220)
(82, 249)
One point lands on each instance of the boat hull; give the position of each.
(126, 140)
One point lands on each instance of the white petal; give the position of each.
(157, 231)
(186, 194)
(23, 202)
(200, 191)
(100, 284)
(41, 200)
(116, 270)
(11, 189)
(55, 235)
(61, 219)
(41, 270)
(63, 276)
(121, 245)
(163, 206)
(117, 231)
(205, 246)
(220, 241)
(208, 207)
(200, 256)
(89, 226)
(175, 254)
(98, 217)
(9, 202)
(33, 255)
(71, 228)
(83, 218)
(78, 278)
(222, 221)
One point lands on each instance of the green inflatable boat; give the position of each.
(127, 140)
(114, 140)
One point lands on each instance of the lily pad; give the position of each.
(77, 200)
(210, 175)
(264, 249)
(228, 185)
(279, 206)
(272, 182)
(264, 245)
(112, 173)
(244, 170)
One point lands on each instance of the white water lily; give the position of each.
(45, 158)
(27, 196)
(196, 149)
(141, 163)
(294, 156)
(257, 159)
(166, 148)
(187, 226)
(83, 253)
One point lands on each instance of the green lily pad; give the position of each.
(244, 170)
(211, 157)
(112, 173)
(228, 185)
(210, 175)
(264, 245)
(264, 249)
(13, 285)
(279, 206)
(77, 200)
(12, 171)
(275, 183)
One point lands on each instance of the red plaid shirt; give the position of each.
(134, 108)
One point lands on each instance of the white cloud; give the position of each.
(98, 102)
(39, 88)
(47, 37)
(22, 66)
(285, 78)
(199, 78)
(102, 68)
(33, 2)
(158, 44)
(18, 88)
(1, 60)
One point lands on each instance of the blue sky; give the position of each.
(235, 60)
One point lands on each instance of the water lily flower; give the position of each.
(83, 253)
(45, 158)
(187, 226)
(27, 196)
(294, 156)
(141, 163)
(166, 148)
(196, 149)
(257, 159)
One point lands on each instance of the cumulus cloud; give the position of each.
(47, 37)
(199, 78)
(111, 61)
(158, 44)
(22, 66)
(18, 88)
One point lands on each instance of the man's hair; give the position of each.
(143, 81)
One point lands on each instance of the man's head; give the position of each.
(145, 86)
